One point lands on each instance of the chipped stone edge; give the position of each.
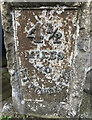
(81, 59)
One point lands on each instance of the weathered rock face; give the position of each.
(47, 54)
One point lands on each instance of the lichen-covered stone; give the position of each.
(79, 65)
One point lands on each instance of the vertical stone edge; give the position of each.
(6, 11)
(81, 61)
(90, 57)
(0, 63)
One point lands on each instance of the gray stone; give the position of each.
(88, 82)
(77, 76)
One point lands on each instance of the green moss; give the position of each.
(5, 118)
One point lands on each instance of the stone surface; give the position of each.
(86, 106)
(80, 63)
(88, 82)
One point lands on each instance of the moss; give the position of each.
(5, 74)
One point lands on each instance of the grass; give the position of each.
(5, 118)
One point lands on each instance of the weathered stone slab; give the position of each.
(47, 50)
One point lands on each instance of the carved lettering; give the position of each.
(51, 55)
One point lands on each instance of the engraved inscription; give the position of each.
(46, 49)
(49, 55)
